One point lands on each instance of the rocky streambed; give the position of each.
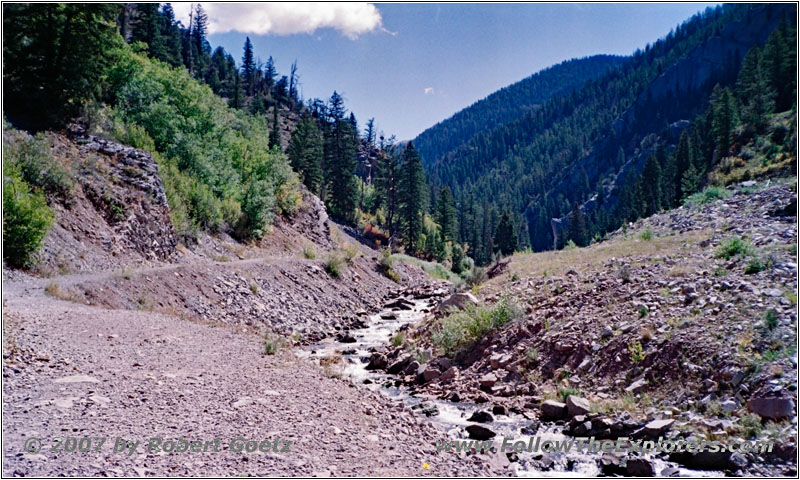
(366, 356)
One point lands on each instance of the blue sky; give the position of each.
(412, 65)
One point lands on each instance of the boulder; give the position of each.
(499, 360)
(449, 374)
(499, 410)
(377, 361)
(399, 365)
(488, 380)
(457, 301)
(481, 417)
(411, 368)
(577, 406)
(552, 410)
(428, 374)
(655, 428)
(639, 467)
(479, 432)
(637, 386)
(771, 407)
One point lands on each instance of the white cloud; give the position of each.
(429, 91)
(286, 18)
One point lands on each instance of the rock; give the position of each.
(637, 386)
(499, 410)
(346, 338)
(607, 332)
(389, 316)
(400, 304)
(457, 301)
(449, 374)
(708, 460)
(639, 467)
(481, 417)
(670, 472)
(771, 407)
(773, 292)
(552, 410)
(411, 368)
(729, 405)
(655, 428)
(399, 365)
(479, 432)
(454, 397)
(488, 380)
(498, 360)
(531, 429)
(377, 361)
(577, 406)
(429, 374)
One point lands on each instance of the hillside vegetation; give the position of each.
(510, 103)
(720, 73)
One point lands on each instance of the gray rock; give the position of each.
(457, 301)
(577, 406)
(771, 407)
(488, 380)
(637, 386)
(552, 410)
(449, 374)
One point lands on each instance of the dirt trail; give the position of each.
(76, 370)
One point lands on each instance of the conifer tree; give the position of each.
(504, 236)
(446, 214)
(305, 153)
(412, 196)
(578, 231)
(248, 66)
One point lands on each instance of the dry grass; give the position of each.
(592, 257)
(55, 290)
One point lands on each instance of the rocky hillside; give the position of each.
(689, 316)
(112, 244)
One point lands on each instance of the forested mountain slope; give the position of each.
(549, 160)
(509, 103)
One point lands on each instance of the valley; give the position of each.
(201, 266)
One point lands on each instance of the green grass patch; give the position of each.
(464, 328)
(707, 195)
(434, 269)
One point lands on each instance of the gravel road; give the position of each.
(72, 370)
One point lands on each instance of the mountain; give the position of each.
(510, 103)
(591, 142)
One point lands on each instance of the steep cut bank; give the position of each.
(113, 245)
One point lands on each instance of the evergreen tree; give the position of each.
(275, 132)
(504, 235)
(446, 214)
(387, 180)
(651, 183)
(577, 231)
(723, 120)
(248, 66)
(305, 153)
(270, 74)
(691, 181)
(369, 132)
(682, 163)
(340, 162)
(412, 196)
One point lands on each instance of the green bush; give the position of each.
(26, 218)
(37, 165)
(753, 266)
(334, 265)
(222, 173)
(464, 328)
(647, 235)
(707, 195)
(733, 247)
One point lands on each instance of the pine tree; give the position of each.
(275, 132)
(723, 121)
(651, 181)
(682, 164)
(305, 153)
(412, 196)
(270, 74)
(691, 181)
(446, 214)
(504, 235)
(386, 181)
(577, 231)
(248, 66)
(340, 162)
(369, 132)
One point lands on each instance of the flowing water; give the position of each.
(451, 415)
